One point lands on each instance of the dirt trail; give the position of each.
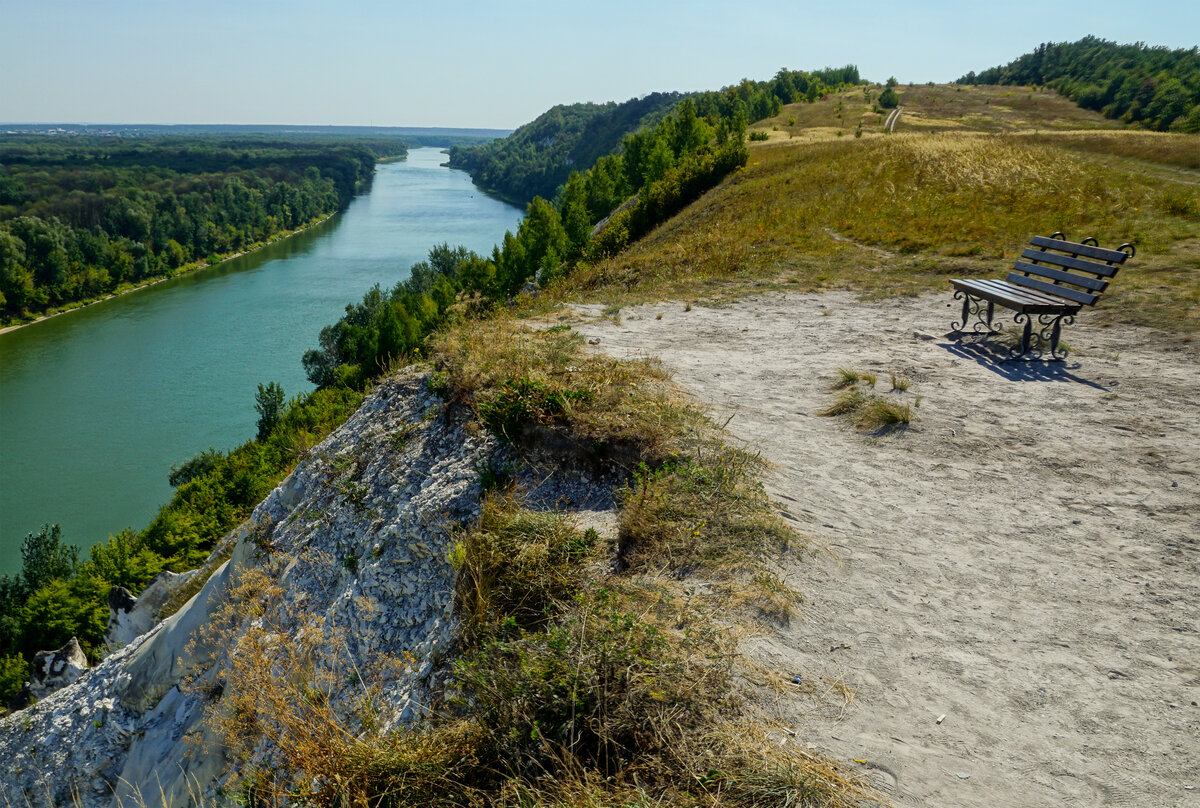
(1024, 560)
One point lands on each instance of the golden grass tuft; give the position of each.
(866, 410)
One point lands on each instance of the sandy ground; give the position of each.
(1024, 560)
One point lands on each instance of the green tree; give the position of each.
(268, 402)
(14, 673)
(44, 558)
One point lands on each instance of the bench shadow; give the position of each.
(995, 358)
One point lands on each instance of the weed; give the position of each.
(355, 493)
(495, 477)
(848, 402)
(524, 384)
(438, 383)
(878, 412)
(517, 564)
(845, 378)
(866, 410)
(401, 436)
(706, 512)
(523, 401)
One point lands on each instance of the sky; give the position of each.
(496, 65)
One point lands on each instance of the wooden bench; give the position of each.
(1052, 280)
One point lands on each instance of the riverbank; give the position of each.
(98, 406)
(186, 269)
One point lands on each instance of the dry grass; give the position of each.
(931, 108)
(901, 214)
(864, 409)
(523, 383)
(707, 513)
(1180, 151)
(570, 689)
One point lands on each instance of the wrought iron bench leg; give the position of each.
(1033, 344)
(973, 308)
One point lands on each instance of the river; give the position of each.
(97, 404)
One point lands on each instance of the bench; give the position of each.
(1051, 281)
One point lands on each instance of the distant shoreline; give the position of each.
(278, 237)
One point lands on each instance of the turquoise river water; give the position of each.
(96, 405)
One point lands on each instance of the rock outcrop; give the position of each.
(130, 617)
(52, 671)
(357, 537)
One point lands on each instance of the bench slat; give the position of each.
(1067, 292)
(1016, 294)
(1070, 262)
(1058, 275)
(1015, 297)
(1099, 253)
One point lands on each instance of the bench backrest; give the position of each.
(1078, 272)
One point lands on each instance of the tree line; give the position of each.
(1153, 87)
(81, 217)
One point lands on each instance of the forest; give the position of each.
(596, 212)
(1152, 87)
(539, 157)
(83, 217)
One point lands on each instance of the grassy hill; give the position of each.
(936, 107)
(969, 175)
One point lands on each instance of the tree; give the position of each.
(889, 99)
(44, 558)
(269, 404)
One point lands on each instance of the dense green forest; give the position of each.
(539, 156)
(1153, 87)
(537, 159)
(659, 170)
(82, 217)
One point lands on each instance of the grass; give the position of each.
(932, 108)
(866, 410)
(535, 389)
(900, 214)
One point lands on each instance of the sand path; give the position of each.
(1024, 560)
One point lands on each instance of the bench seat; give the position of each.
(1014, 297)
(1051, 281)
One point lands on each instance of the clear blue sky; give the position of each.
(492, 64)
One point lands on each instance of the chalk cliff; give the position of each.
(355, 541)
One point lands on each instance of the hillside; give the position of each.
(1153, 87)
(888, 214)
(623, 598)
(537, 158)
